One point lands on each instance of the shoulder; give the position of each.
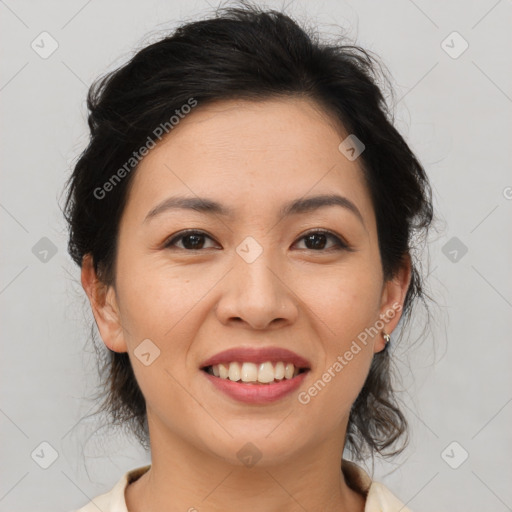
(378, 497)
(381, 499)
(114, 500)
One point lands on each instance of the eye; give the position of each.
(317, 241)
(191, 240)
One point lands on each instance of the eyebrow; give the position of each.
(211, 207)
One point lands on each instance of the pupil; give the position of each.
(318, 245)
(196, 244)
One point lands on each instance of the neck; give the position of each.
(184, 478)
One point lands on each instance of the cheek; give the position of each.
(158, 305)
(167, 305)
(329, 397)
(156, 299)
(346, 305)
(346, 300)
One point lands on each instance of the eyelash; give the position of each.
(340, 245)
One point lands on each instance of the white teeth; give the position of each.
(266, 373)
(234, 372)
(263, 373)
(279, 370)
(249, 372)
(223, 370)
(288, 370)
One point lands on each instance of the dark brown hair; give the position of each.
(249, 53)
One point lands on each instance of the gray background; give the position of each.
(454, 112)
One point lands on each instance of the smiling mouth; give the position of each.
(252, 373)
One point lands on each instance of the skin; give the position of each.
(192, 304)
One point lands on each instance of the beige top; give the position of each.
(378, 497)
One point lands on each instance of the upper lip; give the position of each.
(257, 355)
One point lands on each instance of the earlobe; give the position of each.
(104, 307)
(393, 297)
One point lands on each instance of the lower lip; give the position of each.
(256, 393)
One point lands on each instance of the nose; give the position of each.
(257, 294)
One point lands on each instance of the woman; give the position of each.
(242, 217)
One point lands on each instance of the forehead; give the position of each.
(249, 154)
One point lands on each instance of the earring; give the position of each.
(387, 337)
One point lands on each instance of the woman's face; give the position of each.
(251, 276)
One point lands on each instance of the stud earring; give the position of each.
(386, 337)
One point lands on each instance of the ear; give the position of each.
(104, 307)
(392, 302)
